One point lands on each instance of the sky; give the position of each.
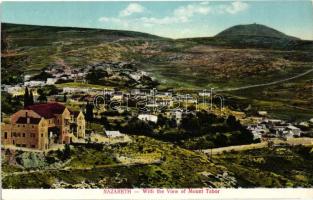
(179, 19)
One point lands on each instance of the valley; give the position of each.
(222, 111)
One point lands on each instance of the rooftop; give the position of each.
(47, 110)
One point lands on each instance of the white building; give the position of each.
(262, 113)
(51, 81)
(135, 76)
(294, 131)
(258, 131)
(34, 83)
(27, 77)
(177, 114)
(114, 134)
(75, 89)
(204, 94)
(14, 90)
(148, 117)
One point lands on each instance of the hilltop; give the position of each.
(254, 36)
(253, 30)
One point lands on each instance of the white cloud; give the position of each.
(181, 14)
(112, 21)
(159, 21)
(236, 7)
(131, 9)
(192, 9)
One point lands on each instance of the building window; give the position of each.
(32, 126)
(41, 135)
(18, 125)
(5, 135)
(33, 146)
(23, 134)
(23, 125)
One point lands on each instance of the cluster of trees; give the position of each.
(95, 76)
(199, 124)
(47, 90)
(43, 92)
(65, 153)
(10, 104)
(164, 122)
(196, 131)
(42, 76)
(9, 75)
(139, 127)
(207, 131)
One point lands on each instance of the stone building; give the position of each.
(42, 125)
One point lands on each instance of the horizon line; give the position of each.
(98, 28)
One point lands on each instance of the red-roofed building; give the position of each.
(41, 125)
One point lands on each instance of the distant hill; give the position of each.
(31, 48)
(253, 30)
(17, 30)
(255, 36)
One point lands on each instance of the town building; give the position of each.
(148, 117)
(114, 134)
(40, 126)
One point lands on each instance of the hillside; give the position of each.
(254, 30)
(239, 56)
(30, 48)
(45, 32)
(254, 36)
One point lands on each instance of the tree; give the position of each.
(136, 126)
(50, 89)
(161, 120)
(26, 97)
(190, 123)
(172, 123)
(95, 76)
(42, 96)
(89, 111)
(9, 104)
(43, 76)
(233, 123)
(105, 122)
(65, 98)
(31, 98)
(66, 152)
(221, 140)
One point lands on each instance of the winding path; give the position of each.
(267, 84)
(291, 141)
